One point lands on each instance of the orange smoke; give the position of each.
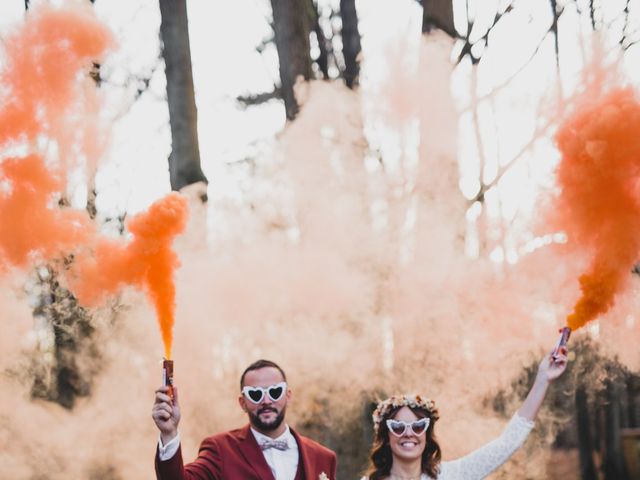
(147, 262)
(30, 228)
(599, 204)
(40, 80)
(47, 97)
(45, 61)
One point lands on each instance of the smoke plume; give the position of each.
(599, 201)
(31, 229)
(148, 262)
(50, 106)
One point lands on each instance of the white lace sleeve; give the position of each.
(486, 459)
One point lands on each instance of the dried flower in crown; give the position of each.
(412, 401)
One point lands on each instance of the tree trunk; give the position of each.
(438, 171)
(65, 378)
(184, 160)
(585, 447)
(350, 41)
(634, 421)
(75, 362)
(613, 460)
(438, 14)
(291, 24)
(323, 46)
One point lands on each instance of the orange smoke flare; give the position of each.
(30, 229)
(599, 203)
(40, 81)
(45, 61)
(147, 262)
(47, 96)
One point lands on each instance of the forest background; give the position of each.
(369, 183)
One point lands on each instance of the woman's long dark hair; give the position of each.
(381, 458)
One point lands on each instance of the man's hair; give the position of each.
(257, 365)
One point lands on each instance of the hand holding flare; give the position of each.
(166, 413)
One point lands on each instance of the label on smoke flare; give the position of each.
(565, 333)
(564, 337)
(167, 376)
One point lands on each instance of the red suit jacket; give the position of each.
(235, 455)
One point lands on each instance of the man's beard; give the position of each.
(255, 420)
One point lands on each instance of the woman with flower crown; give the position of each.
(405, 447)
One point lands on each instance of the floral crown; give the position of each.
(412, 401)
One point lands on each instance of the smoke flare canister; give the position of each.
(167, 375)
(565, 333)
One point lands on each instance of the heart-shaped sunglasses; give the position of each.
(256, 394)
(399, 428)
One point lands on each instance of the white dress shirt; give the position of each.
(283, 463)
(165, 452)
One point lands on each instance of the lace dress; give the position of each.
(480, 463)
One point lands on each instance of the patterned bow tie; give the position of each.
(277, 444)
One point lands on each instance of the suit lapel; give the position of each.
(306, 456)
(250, 450)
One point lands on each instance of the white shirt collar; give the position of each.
(286, 435)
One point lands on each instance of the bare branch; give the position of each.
(539, 132)
(553, 29)
(625, 28)
(143, 83)
(485, 187)
(466, 49)
(265, 42)
(254, 99)
(517, 72)
(629, 45)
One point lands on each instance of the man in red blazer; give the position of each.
(265, 449)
